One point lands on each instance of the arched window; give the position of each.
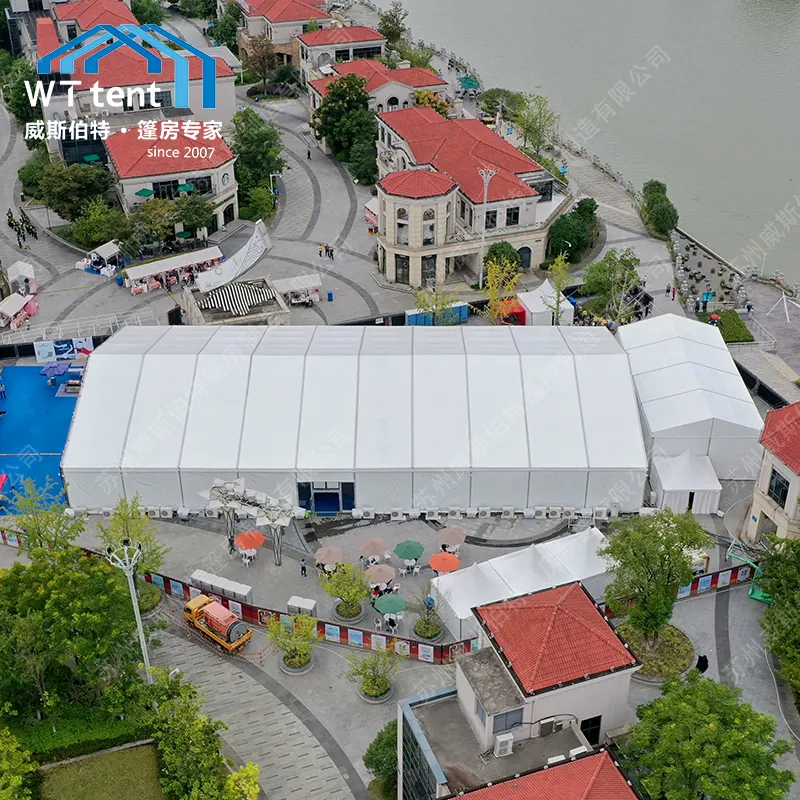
(392, 103)
(428, 227)
(405, 103)
(403, 163)
(428, 214)
(524, 257)
(380, 109)
(402, 213)
(402, 226)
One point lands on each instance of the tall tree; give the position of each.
(258, 146)
(98, 223)
(259, 58)
(513, 103)
(40, 518)
(199, 9)
(381, 758)
(502, 251)
(500, 286)
(559, 278)
(16, 768)
(68, 189)
(261, 201)
(537, 123)
(570, 234)
(194, 212)
(148, 12)
(611, 281)
(427, 98)
(651, 558)
(700, 740)
(392, 23)
(154, 219)
(364, 160)
(243, 784)
(15, 93)
(347, 584)
(227, 27)
(344, 115)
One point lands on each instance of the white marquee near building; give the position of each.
(372, 417)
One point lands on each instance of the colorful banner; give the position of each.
(743, 574)
(355, 637)
(402, 648)
(704, 584)
(426, 653)
(378, 642)
(63, 349)
(235, 608)
(684, 591)
(194, 592)
(176, 588)
(157, 580)
(724, 579)
(332, 633)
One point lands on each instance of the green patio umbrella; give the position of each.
(390, 604)
(409, 549)
(91, 158)
(184, 235)
(469, 83)
(186, 187)
(145, 193)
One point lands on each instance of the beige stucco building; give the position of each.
(321, 51)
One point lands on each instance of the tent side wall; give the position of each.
(557, 488)
(625, 487)
(155, 487)
(384, 490)
(93, 489)
(498, 488)
(441, 488)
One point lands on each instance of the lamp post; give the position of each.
(486, 173)
(125, 558)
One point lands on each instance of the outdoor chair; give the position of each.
(378, 624)
(396, 588)
(387, 556)
(416, 569)
(402, 571)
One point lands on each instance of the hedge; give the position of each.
(731, 326)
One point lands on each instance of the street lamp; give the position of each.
(486, 173)
(125, 558)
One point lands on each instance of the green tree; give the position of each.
(194, 211)
(34, 655)
(653, 189)
(439, 304)
(343, 115)
(199, 9)
(154, 219)
(40, 518)
(427, 98)
(381, 758)
(261, 201)
(374, 671)
(500, 286)
(259, 58)
(570, 234)
(16, 768)
(227, 27)
(259, 148)
(392, 23)
(587, 209)
(662, 215)
(98, 223)
(16, 94)
(416, 56)
(347, 584)
(68, 189)
(296, 638)
(611, 280)
(30, 174)
(243, 784)
(311, 26)
(148, 12)
(502, 251)
(700, 740)
(513, 103)
(537, 123)
(651, 557)
(364, 161)
(559, 278)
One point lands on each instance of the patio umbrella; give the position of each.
(374, 547)
(409, 549)
(444, 562)
(250, 540)
(469, 83)
(380, 573)
(54, 368)
(715, 316)
(329, 555)
(184, 235)
(145, 193)
(186, 187)
(452, 537)
(91, 158)
(390, 604)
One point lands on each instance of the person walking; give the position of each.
(331, 253)
(668, 290)
(696, 306)
(702, 664)
(303, 568)
(674, 292)
(321, 250)
(308, 154)
(705, 306)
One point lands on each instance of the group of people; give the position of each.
(326, 251)
(23, 227)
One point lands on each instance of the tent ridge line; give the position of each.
(296, 467)
(247, 399)
(589, 465)
(355, 410)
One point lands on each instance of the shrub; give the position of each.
(427, 628)
(30, 174)
(381, 759)
(254, 91)
(502, 251)
(343, 156)
(653, 189)
(348, 585)
(374, 671)
(731, 326)
(149, 597)
(662, 215)
(296, 639)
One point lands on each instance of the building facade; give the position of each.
(320, 51)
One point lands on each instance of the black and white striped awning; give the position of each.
(238, 297)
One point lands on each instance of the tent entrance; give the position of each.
(326, 498)
(327, 504)
(691, 500)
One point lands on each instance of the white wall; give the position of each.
(769, 463)
(466, 699)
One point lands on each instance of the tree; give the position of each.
(259, 58)
(611, 280)
(364, 160)
(148, 12)
(537, 123)
(374, 671)
(502, 251)
(227, 27)
(653, 189)
(381, 758)
(98, 223)
(296, 638)
(199, 9)
(500, 286)
(587, 209)
(347, 584)
(30, 174)
(662, 215)
(243, 785)
(194, 211)
(33, 653)
(700, 740)
(559, 275)
(311, 26)
(68, 189)
(438, 304)
(16, 768)
(392, 23)
(570, 234)
(40, 518)
(259, 148)
(261, 201)
(651, 557)
(344, 113)
(130, 522)
(154, 219)
(513, 103)
(427, 98)
(16, 94)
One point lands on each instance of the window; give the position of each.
(512, 216)
(490, 219)
(342, 55)
(462, 209)
(163, 99)
(405, 103)
(305, 30)
(480, 712)
(202, 185)
(590, 728)
(505, 722)
(469, 216)
(402, 213)
(778, 488)
(428, 227)
(401, 266)
(392, 103)
(402, 226)
(367, 52)
(72, 31)
(165, 190)
(380, 110)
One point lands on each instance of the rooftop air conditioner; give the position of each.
(555, 760)
(615, 509)
(70, 512)
(570, 513)
(528, 513)
(165, 513)
(107, 512)
(454, 513)
(369, 513)
(503, 744)
(432, 515)
(80, 512)
(540, 512)
(550, 725)
(508, 512)
(601, 513)
(484, 513)
(397, 514)
(471, 513)
(554, 512)
(183, 513)
(104, 112)
(153, 513)
(212, 513)
(586, 513)
(414, 513)
(299, 512)
(358, 513)
(577, 751)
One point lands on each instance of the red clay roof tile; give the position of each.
(417, 183)
(88, 13)
(355, 33)
(781, 435)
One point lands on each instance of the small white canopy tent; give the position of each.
(539, 304)
(17, 273)
(687, 481)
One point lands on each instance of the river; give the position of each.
(701, 94)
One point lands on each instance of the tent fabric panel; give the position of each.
(496, 412)
(93, 488)
(234, 340)
(578, 553)
(545, 341)
(183, 340)
(383, 491)
(328, 413)
(669, 327)
(736, 459)
(100, 422)
(384, 424)
(686, 472)
(676, 381)
(606, 487)
(530, 570)
(441, 424)
(660, 356)
(131, 340)
(194, 481)
(556, 487)
(216, 409)
(441, 489)
(285, 340)
(664, 420)
(275, 484)
(498, 488)
(553, 410)
(155, 487)
(587, 341)
(158, 417)
(272, 413)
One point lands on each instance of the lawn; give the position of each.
(126, 773)
(672, 655)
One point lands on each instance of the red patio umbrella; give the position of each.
(444, 562)
(249, 540)
(715, 316)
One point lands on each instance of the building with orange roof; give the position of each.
(323, 50)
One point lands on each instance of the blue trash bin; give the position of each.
(119, 279)
(330, 297)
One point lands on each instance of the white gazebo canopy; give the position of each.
(686, 481)
(20, 270)
(539, 304)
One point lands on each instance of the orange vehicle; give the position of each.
(217, 623)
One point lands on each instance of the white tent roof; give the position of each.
(13, 304)
(686, 473)
(537, 299)
(20, 269)
(578, 553)
(173, 262)
(684, 374)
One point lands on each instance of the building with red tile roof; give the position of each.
(88, 13)
(776, 496)
(417, 184)
(348, 34)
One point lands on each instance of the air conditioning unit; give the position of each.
(508, 512)
(540, 512)
(586, 513)
(554, 512)
(166, 513)
(615, 509)
(397, 514)
(503, 745)
(212, 513)
(80, 512)
(414, 513)
(183, 513)
(299, 512)
(471, 513)
(369, 513)
(528, 513)
(555, 760)
(107, 512)
(432, 515)
(577, 751)
(153, 513)
(570, 513)
(70, 512)
(550, 725)
(358, 513)
(601, 513)
(105, 112)
(484, 512)
(454, 513)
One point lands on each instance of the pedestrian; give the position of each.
(303, 568)
(327, 253)
(644, 282)
(308, 154)
(696, 306)
(749, 308)
(674, 292)
(668, 290)
(331, 253)
(3, 391)
(320, 251)
(702, 664)
(705, 306)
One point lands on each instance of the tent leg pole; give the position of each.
(277, 540)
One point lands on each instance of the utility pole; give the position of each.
(486, 173)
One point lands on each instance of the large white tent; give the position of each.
(540, 566)
(540, 302)
(426, 418)
(692, 396)
(686, 482)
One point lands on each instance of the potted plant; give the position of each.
(296, 638)
(347, 584)
(428, 626)
(374, 673)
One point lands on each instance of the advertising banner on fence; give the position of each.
(62, 349)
